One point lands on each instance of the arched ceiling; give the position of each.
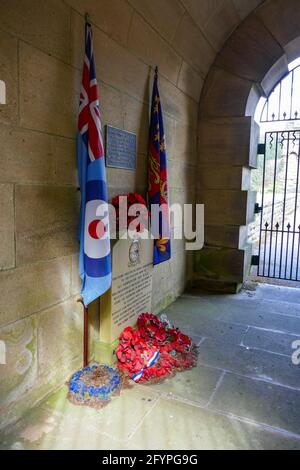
(196, 29)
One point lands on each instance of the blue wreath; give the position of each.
(82, 392)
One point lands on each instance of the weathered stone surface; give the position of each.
(64, 151)
(201, 14)
(185, 143)
(282, 19)
(115, 65)
(262, 51)
(181, 175)
(26, 156)
(221, 24)
(272, 341)
(9, 75)
(275, 74)
(230, 236)
(38, 286)
(7, 226)
(75, 279)
(112, 112)
(144, 42)
(225, 178)
(45, 25)
(195, 385)
(112, 16)
(59, 332)
(231, 141)
(177, 104)
(46, 222)
(19, 373)
(193, 46)
(219, 264)
(163, 16)
(136, 119)
(224, 94)
(244, 7)
(49, 93)
(190, 82)
(224, 206)
(259, 401)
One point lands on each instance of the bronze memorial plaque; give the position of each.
(120, 148)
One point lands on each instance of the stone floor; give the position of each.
(244, 393)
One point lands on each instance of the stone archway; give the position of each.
(252, 61)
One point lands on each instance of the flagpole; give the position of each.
(85, 336)
(85, 333)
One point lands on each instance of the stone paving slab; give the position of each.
(176, 425)
(252, 363)
(259, 401)
(209, 328)
(118, 420)
(196, 385)
(280, 343)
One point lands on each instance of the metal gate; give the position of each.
(279, 240)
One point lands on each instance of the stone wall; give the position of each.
(41, 54)
(252, 61)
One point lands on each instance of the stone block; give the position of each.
(201, 14)
(221, 24)
(227, 236)
(219, 264)
(59, 332)
(224, 94)
(26, 156)
(46, 222)
(228, 141)
(145, 43)
(178, 105)
(7, 226)
(245, 7)
(111, 16)
(75, 279)
(115, 65)
(224, 207)
(111, 106)
(163, 16)
(136, 119)
(19, 373)
(185, 143)
(262, 51)
(275, 74)
(282, 19)
(190, 81)
(181, 176)
(49, 93)
(45, 25)
(9, 75)
(224, 178)
(33, 288)
(193, 46)
(64, 151)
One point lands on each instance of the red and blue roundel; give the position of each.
(96, 234)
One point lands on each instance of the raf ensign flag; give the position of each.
(158, 177)
(94, 256)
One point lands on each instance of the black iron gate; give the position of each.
(279, 240)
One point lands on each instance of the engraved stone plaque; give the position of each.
(131, 291)
(120, 148)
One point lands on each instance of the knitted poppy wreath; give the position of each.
(153, 350)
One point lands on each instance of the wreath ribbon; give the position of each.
(136, 377)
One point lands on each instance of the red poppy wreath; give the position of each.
(153, 350)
